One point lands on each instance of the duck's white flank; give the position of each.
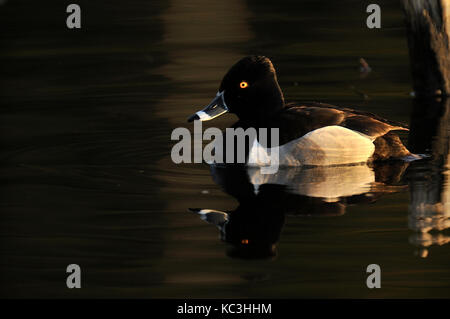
(329, 145)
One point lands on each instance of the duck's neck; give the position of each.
(265, 109)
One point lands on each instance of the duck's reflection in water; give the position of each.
(254, 227)
(429, 181)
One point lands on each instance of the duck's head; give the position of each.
(249, 89)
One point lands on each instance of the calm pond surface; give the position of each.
(87, 178)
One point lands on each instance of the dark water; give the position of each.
(86, 174)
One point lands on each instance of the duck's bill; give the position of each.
(216, 108)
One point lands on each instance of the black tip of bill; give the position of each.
(193, 117)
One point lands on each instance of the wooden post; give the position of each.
(428, 27)
(430, 128)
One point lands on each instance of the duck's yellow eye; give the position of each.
(243, 85)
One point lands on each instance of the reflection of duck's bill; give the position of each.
(216, 108)
(328, 182)
(211, 216)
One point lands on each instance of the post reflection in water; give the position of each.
(429, 209)
(254, 227)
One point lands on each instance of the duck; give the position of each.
(311, 133)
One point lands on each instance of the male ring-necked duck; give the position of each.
(310, 134)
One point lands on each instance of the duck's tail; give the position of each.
(415, 157)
